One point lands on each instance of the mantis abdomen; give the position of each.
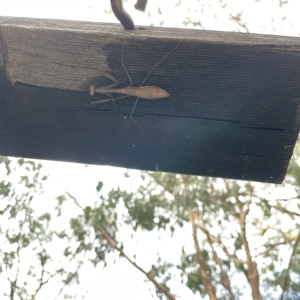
(145, 92)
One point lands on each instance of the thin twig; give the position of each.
(113, 244)
(286, 278)
(270, 247)
(280, 208)
(68, 280)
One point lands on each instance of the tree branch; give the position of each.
(221, 245)
(280, 208)
(43, 262)
(284, 286)
(113, 244)
(13, 284)
(272, 246)
(285, 235)
(224, 276)
(226, 205)
(253, 277)
(42, 282)
(160, 183)
(203, 271)
(68, 280)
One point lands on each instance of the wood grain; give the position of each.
(231, 112)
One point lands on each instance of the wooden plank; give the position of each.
(231, 112)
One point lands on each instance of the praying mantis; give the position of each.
(145, 92)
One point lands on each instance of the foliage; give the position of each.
(239, 230)
(240, 233)
(31, 240)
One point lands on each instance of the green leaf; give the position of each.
(99, 186)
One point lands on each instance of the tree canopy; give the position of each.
(243, 236)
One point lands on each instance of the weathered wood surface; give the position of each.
(231, 112)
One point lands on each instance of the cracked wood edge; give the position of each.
(51, 58)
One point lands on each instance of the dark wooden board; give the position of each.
(231, 112)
